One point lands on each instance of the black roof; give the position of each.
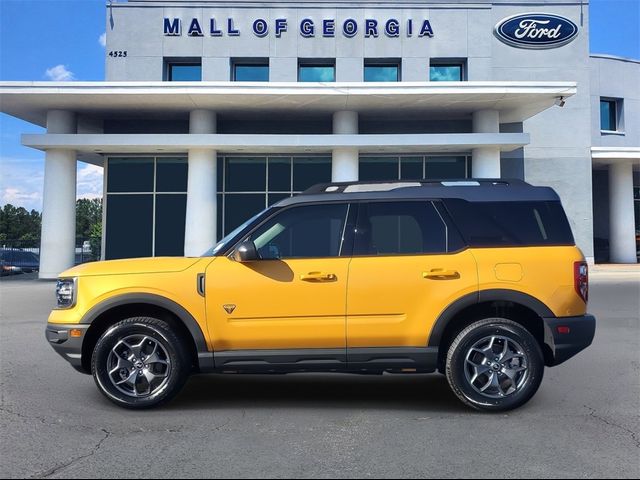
(472, 190)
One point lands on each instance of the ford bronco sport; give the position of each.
(479, 280)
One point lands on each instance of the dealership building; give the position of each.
(213, 110)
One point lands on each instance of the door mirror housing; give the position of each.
(246, 252)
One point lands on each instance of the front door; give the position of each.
(294, 298)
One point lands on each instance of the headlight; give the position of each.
(66, 292)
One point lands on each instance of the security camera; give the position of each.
(560, 101)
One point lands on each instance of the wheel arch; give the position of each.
(114, 309)
(513, 305)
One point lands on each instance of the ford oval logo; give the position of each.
(536, 30)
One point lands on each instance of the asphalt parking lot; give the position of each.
(583, 423)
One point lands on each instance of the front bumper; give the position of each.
(66, 345)
(579, 334)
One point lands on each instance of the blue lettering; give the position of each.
(194, 29)
(329, 28)
(370, 28)
(213, 30)
(307, 29)
(260, 27)
(231, 31)
(350, 28)
(172, 28)
(410, 28)
(426, 30)
(392, 28)
(281, 26)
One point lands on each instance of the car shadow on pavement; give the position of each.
(425, 393)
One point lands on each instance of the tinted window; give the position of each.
(170, 214)
(381, 73)
(307, 171)
(317, 73)
(184, 72)
(446, 167)
(130, 175)
(246, 174)
(486, 224)
(313, 231)
(251, 73)
(608, 115)
(239, 208)
(446, 73)
(378, 168)
(129, 226)
(171, 175)
(396, 228)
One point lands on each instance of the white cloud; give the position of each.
(59, 73)
(102, 40)
(89, 181)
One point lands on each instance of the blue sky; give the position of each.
(61, 40)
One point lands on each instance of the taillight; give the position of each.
(581, 280)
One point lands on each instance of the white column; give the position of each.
(58, 231)
(486, 160)
(200, 223)
(622, 240)
(344, 163)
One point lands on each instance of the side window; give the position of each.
(400, 228)
(311, 231)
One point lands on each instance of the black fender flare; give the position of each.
(205, 357)
(483, 296)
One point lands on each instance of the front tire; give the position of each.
(140, 363)
(495, 365)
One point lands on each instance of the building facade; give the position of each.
(213, 110)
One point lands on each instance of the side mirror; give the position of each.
(246, 252)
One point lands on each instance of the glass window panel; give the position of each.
(279, 174)
(313, 231)
(220, 227)
(445, 73)
(276, 197)
(400, 228)
(608, 118)
(171, 175)
(251, 73)
(317, 73)
(381, 73)
(185, 72)
(130, 175)
(220, 173)
(411, 168)
(308, 171)
(444, 168)
(129, 226)
(378, 168)
(240, 207)
(170, 217)
(246, 174)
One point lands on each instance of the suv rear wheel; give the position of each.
(140, 363)
(495, 365)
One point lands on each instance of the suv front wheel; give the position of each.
(495, 365)
(140, 363)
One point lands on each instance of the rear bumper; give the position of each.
(68, 347)
(563, 346)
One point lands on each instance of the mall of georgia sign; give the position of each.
(536, 30)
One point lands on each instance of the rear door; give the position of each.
(403, 274)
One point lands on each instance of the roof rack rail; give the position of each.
(389, 185)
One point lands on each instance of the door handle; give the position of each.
(441, 274)
(318, 277)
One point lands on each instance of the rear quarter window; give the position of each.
(487, 224)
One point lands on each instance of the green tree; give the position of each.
(17, 223)
(88, 217)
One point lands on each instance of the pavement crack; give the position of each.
(634, 435)
(73, 461)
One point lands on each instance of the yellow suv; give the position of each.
(480, 280)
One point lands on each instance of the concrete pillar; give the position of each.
(58, 231)
(344, 163)
(622, 239)
(486, 160)
(200, 222)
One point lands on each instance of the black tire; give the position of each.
(460, 379)
(173, 365)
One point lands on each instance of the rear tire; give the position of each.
(495, 365)
(140, 363)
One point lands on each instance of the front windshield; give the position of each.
(221, 244)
